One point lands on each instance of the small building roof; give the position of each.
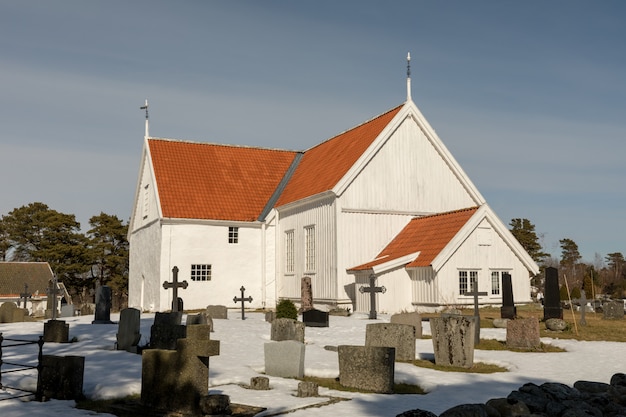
(423, 236)
(217, 182)
(13, 276)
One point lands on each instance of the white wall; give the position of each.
(144, 279)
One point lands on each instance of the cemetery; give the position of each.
(233, 361)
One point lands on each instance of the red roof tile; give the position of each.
(428, 235)
(207, 181)
(324, 165)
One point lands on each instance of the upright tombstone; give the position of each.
(508, 309)
(306, 294)
(166, 330)
(414, 319)
(61, 377)
(200, 318)
(372, 290)
(25, 296)
(103, 305)
(128, 334)
(56, 331)
(398, 336)
(11, 313)
(552, 302)
(217, 312)
(284, 359)
(368, 368)
(176, 380)
(583, 307)
(287, 329)
(523, 333)
(453, 340)
(315, 318)
(52, 299)
(175, 285)
(613, 310)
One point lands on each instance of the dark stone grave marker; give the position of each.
(315, 318)
(242, 299)
(372, 290)
(175, 285)
(508, 309)
(552, 302)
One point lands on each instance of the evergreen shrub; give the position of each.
(286, 309)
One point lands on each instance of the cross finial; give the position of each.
(145, 107)
(408, 76)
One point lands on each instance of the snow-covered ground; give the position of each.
(111, 374)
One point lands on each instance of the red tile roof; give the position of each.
(13, 276)
(428, 235)
(324, 165)
(207, 181)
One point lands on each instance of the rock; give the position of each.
(556, 325)
(509, 407)
(500, 323)
(471, 410)
(591, 387)
(417, 413)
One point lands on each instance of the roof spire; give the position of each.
(408, 76)
(145, 107)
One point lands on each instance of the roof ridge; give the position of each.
(226, 145)
(445, 213)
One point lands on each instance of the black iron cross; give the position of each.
(25, 295)
(242, 299)
(175, 285)
(372, 289)
(474, 293)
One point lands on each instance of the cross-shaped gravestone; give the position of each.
(25, 295)
(175, 285)
(583, 307)
(242, 299)
(372, 289)
(476, 294)
(52, 297)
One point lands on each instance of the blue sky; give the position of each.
(528, 96)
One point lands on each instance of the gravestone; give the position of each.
(367, 368)
(103, 305)
(413, 318)
(166, 330)
(307, 389)
(61, 377)
(475, 293)
(175, 285)
(372, 290)
(284, 359)
(398, 336)
(200, 318)
(128, 334)
(270, 316)
(67, 310)
(25, 296)
(613, 310)
(11, 313)
(56, 331)
(315, 318)
(508, 309)
(52, 299)
(523, 333)
(552, 302)
(242, 299)
(306, 294)
(453, 340)
(176, 380)
(217, 312)
(260, 383)
(287, 329)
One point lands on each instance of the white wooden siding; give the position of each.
(407, 175)
(424, 289)
(324, 279)
(144, 278)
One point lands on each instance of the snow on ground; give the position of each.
(111, 374)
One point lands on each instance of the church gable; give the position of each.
(217, 182)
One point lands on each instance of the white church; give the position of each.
(383, 200)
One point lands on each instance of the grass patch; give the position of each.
(333, 383)
(492, 344)
(478, 368)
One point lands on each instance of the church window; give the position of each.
(465, 286)
(200, 272)
(289, 252)
(495, 282)
(309, 248)
(233, 235)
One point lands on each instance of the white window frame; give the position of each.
(466, 278)
(309, 249)
(289, 251)
(496, 282)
